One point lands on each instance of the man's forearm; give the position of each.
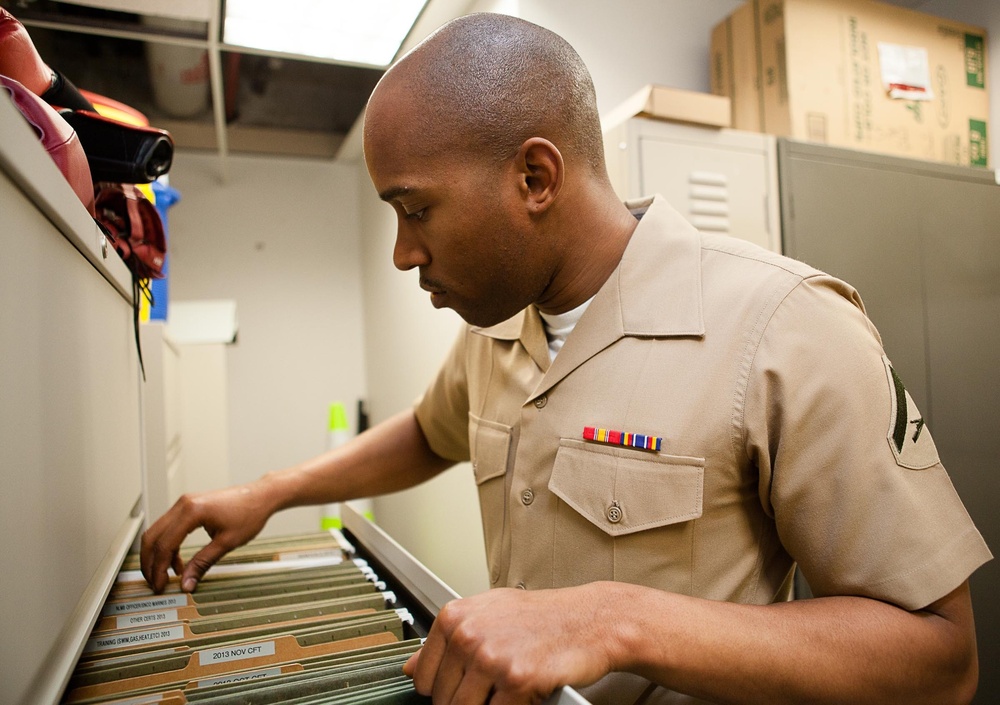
(391, 456)
(838, 649)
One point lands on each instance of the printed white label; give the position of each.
(144, 619)
(142, 700)
(130, 658)
(905, 71)
(268, 566)
(235, 653)
(132, 576)
(151, 636)
(315, 553)
(239, 677)
(144, 605)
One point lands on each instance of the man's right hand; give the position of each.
(231, 517)
(391, 456)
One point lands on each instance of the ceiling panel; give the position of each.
(273, 103)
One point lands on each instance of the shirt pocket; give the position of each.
(627, 513)
(489, 443)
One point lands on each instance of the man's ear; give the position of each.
(541, 171)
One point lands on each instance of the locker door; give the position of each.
(858, 225)
(718, 188)
(962, 275)
(919, 241)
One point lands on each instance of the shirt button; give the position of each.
(527, 497)
(541, 401)
(614, 513)
(520, 586)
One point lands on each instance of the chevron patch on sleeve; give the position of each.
(908, 436)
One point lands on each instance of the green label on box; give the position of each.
(977, 143)
(975, 62)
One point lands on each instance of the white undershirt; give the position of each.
(558, 326)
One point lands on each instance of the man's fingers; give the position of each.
(178, 563)
(475, 687)
(156, 556)
(200, 563)
(162, 540)
(448, 684)
(461, 678)
(425, 663)
(411, 664)
(446, 680)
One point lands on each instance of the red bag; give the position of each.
(19, 59)
(56, 136)
(133, 226)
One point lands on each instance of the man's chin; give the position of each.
(474, 315)
(483, 319)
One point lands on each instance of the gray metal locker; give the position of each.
(921, 243)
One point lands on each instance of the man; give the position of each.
(716, 413)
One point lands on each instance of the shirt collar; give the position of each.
(526, 326)
(658, 281)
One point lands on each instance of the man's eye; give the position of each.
(417, 215)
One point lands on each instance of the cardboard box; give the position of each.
(735, 71)
(864, 75)
(673, 104)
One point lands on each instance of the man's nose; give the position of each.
(409, 251)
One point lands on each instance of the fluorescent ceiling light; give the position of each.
(353, 31)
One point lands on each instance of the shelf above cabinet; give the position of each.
(207, 94)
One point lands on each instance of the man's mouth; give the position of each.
(431, 287)
(435, 290)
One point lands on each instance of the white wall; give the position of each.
(282, 238)
(631, 43)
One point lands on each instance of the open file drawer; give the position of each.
(317, 618)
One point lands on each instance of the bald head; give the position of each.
(486, 142)
(488, 82)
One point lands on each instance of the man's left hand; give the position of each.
(509, 646)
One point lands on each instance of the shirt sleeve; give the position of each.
(848, 468)
(443, 409)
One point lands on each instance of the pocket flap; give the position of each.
(622, 491)
(490, 444)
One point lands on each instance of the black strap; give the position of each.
(63, 93)
(137, 291)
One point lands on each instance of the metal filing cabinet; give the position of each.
(70, 432)
(921, 243)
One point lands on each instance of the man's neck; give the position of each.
(597, 239)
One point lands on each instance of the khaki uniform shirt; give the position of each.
(786, 438)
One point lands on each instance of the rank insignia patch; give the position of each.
(908, 436)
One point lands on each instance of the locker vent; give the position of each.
(709, 201)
